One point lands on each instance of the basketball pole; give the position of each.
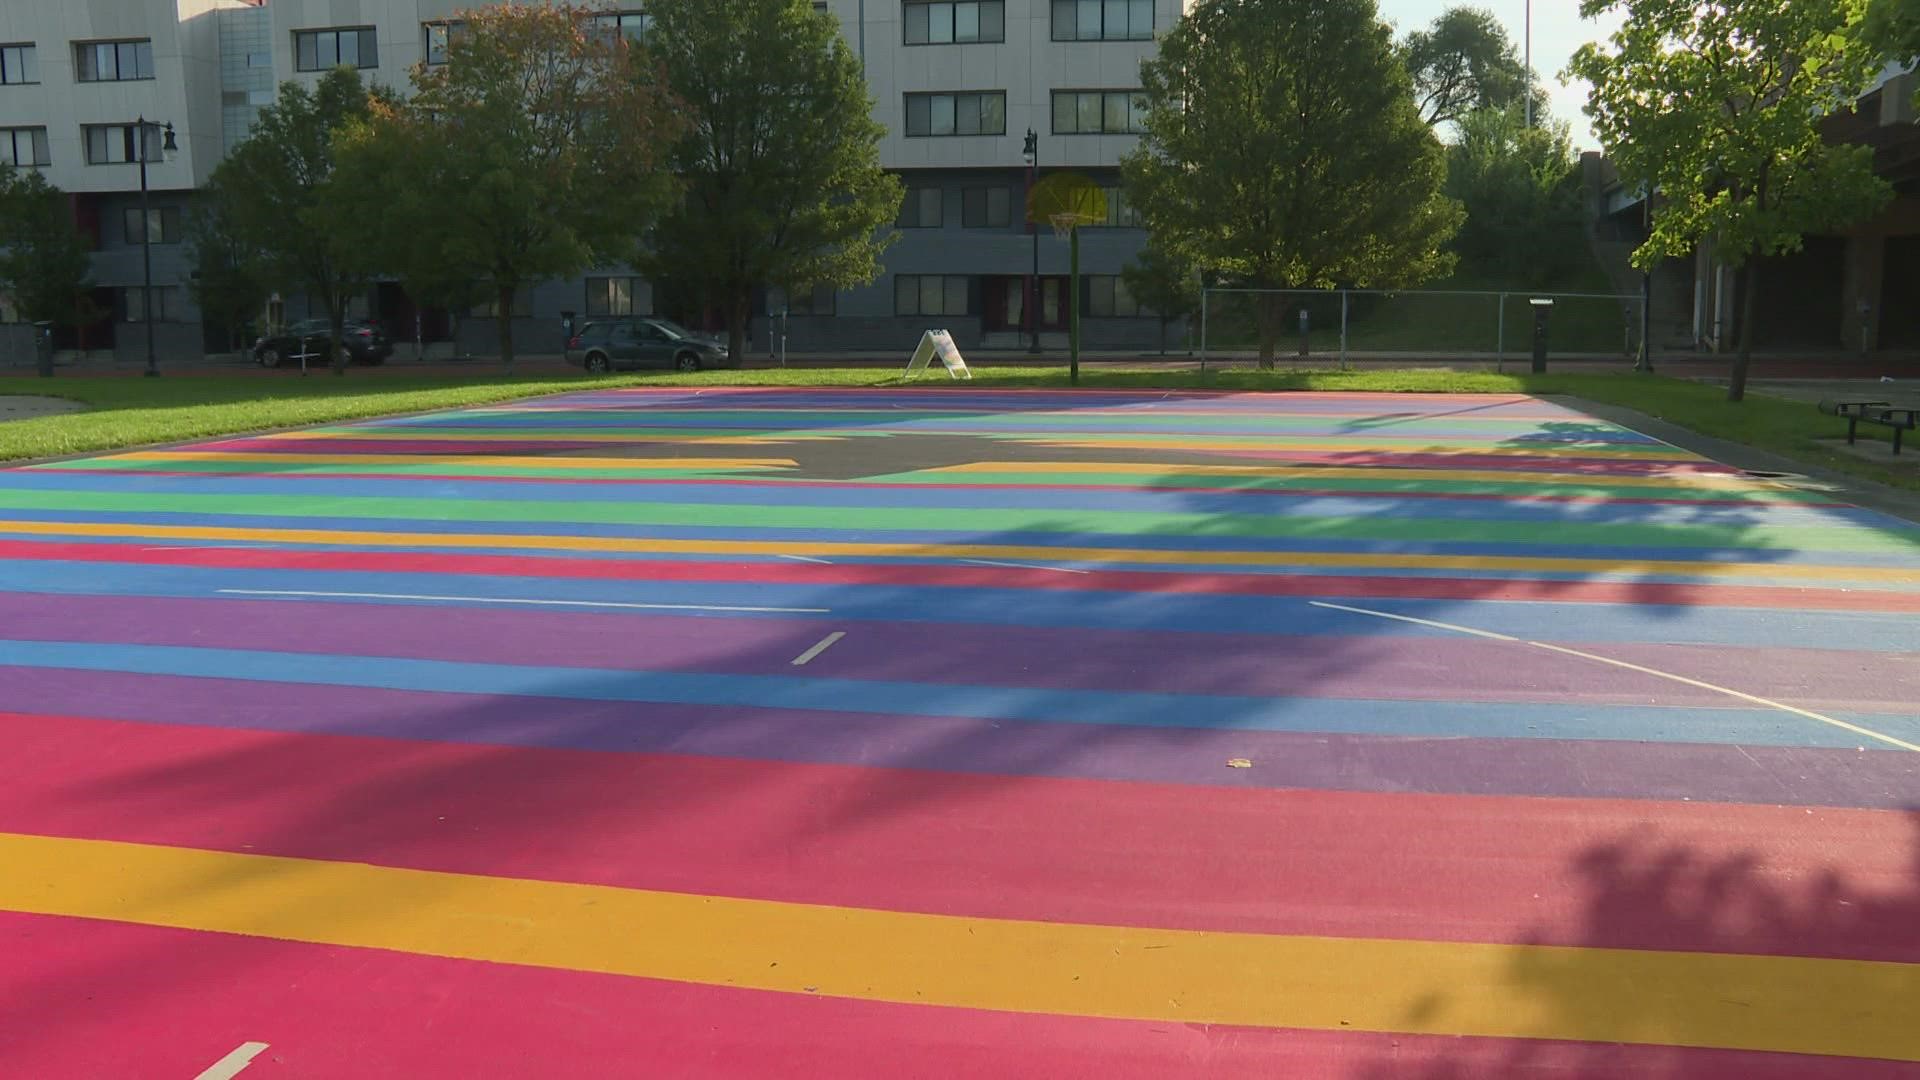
(1073, 305)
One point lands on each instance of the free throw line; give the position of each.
(819, 647)
(311, 593)
(1668, 675)
(228, 1067)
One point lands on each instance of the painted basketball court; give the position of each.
(667, 732)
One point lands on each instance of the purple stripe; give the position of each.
(1730, 774)
(1404, 667)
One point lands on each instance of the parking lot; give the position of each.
(731, 732)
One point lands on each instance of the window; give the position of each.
(946, 22)
(490, 307)
(619, 296)
(1108, 298)
(982, 113)
(1098, 112)
(113, 61)
(986, 207)
(166, 304)
(324, 50)
(114, 144)
(929, 294)
(802, 302)
(162, 221)
(922, 209)
(24, 146)
(631, 25)
(1102, 20)
(1121, 213)
(441, 37)
(19, 64)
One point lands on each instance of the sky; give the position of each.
(1558, 30)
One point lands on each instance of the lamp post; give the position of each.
(1645, 360)
(167, 149)
(1528, 95)
(1032, 154)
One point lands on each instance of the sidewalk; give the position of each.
(1903, 367)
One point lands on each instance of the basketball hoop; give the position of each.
(1063, 224)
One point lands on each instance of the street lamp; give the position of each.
(168, 147)
(1032, 153)
(1528, 35)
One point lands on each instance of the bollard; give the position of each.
(1306, 332)
(1542, 310)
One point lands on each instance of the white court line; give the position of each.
(535, 603)
(1668, 675)
(228, 1067)
(1024, 566)
(819, 647)
(807, 558)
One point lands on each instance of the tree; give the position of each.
(1463, 62)
(45, 264)
(1520, 186)
(277, 183)
(1717, 106)
(227, 283)
(781, 160)
(1893, 26)
(1283, 150)
(1164, 283)
(533, 153)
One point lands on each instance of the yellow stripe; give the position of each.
(386, 435)
(1787, 1004)
(461, 459)
(630, 545)
(1678, 479)
(1204, 443)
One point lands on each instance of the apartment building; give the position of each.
(958, 85)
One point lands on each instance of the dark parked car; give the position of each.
(307, 340)
(645, 343)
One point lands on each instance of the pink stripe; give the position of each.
(1717, 878)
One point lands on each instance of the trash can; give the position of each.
(43, 348)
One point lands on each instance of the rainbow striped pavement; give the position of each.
(972, 733)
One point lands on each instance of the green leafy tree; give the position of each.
(45, 264)
(1463, 62)
(781, 158)
(1165, 283)
(1717, 106)
(1520, 186)
(228, 283)
(533, 153)
(1893, 27)
(1283, 149)
(278, 183)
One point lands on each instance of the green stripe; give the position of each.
(975, 522)
(1514, 488)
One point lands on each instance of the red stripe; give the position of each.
(1628, 874)
(95, 999)
(980, 577)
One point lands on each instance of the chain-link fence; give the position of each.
(1427, 324)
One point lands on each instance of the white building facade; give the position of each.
(957, 84)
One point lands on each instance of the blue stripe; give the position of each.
(1203, 711)
(1543, 621)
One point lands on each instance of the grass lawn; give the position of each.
(135, 411)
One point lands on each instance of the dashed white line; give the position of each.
(819, 647)
(807, 558)
(531, 603)
(228, 1067)
(1655, 672)
(1024, 566)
